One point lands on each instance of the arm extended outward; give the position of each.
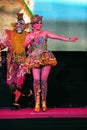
(59, 37)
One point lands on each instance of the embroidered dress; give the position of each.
(40, 56)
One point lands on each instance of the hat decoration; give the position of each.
(20, 17)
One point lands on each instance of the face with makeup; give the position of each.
(37, 25)
(20, 26)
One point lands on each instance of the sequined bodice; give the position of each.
(39, 43)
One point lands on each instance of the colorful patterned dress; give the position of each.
(40, 56)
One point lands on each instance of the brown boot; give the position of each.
(37, 104)
(44, 94)
(37, 95)
(44, 107)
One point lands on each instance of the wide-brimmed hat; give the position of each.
(19, 17)
(36, 18)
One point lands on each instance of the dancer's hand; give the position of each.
(73, 39)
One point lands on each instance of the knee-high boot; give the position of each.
(36, 85)
(44, 94)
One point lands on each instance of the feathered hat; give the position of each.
(20, 17)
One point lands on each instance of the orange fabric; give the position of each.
(16, 41)
(17, 95)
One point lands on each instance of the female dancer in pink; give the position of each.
(40, 59)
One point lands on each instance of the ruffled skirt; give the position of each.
(39, 58)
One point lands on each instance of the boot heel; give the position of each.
(37, 107)
(44, 107)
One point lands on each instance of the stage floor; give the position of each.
(29, 113)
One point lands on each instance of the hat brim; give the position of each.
(36, 20)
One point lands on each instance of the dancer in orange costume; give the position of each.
(16, 54)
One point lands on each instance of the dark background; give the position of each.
(67, 80)
(67, 83)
